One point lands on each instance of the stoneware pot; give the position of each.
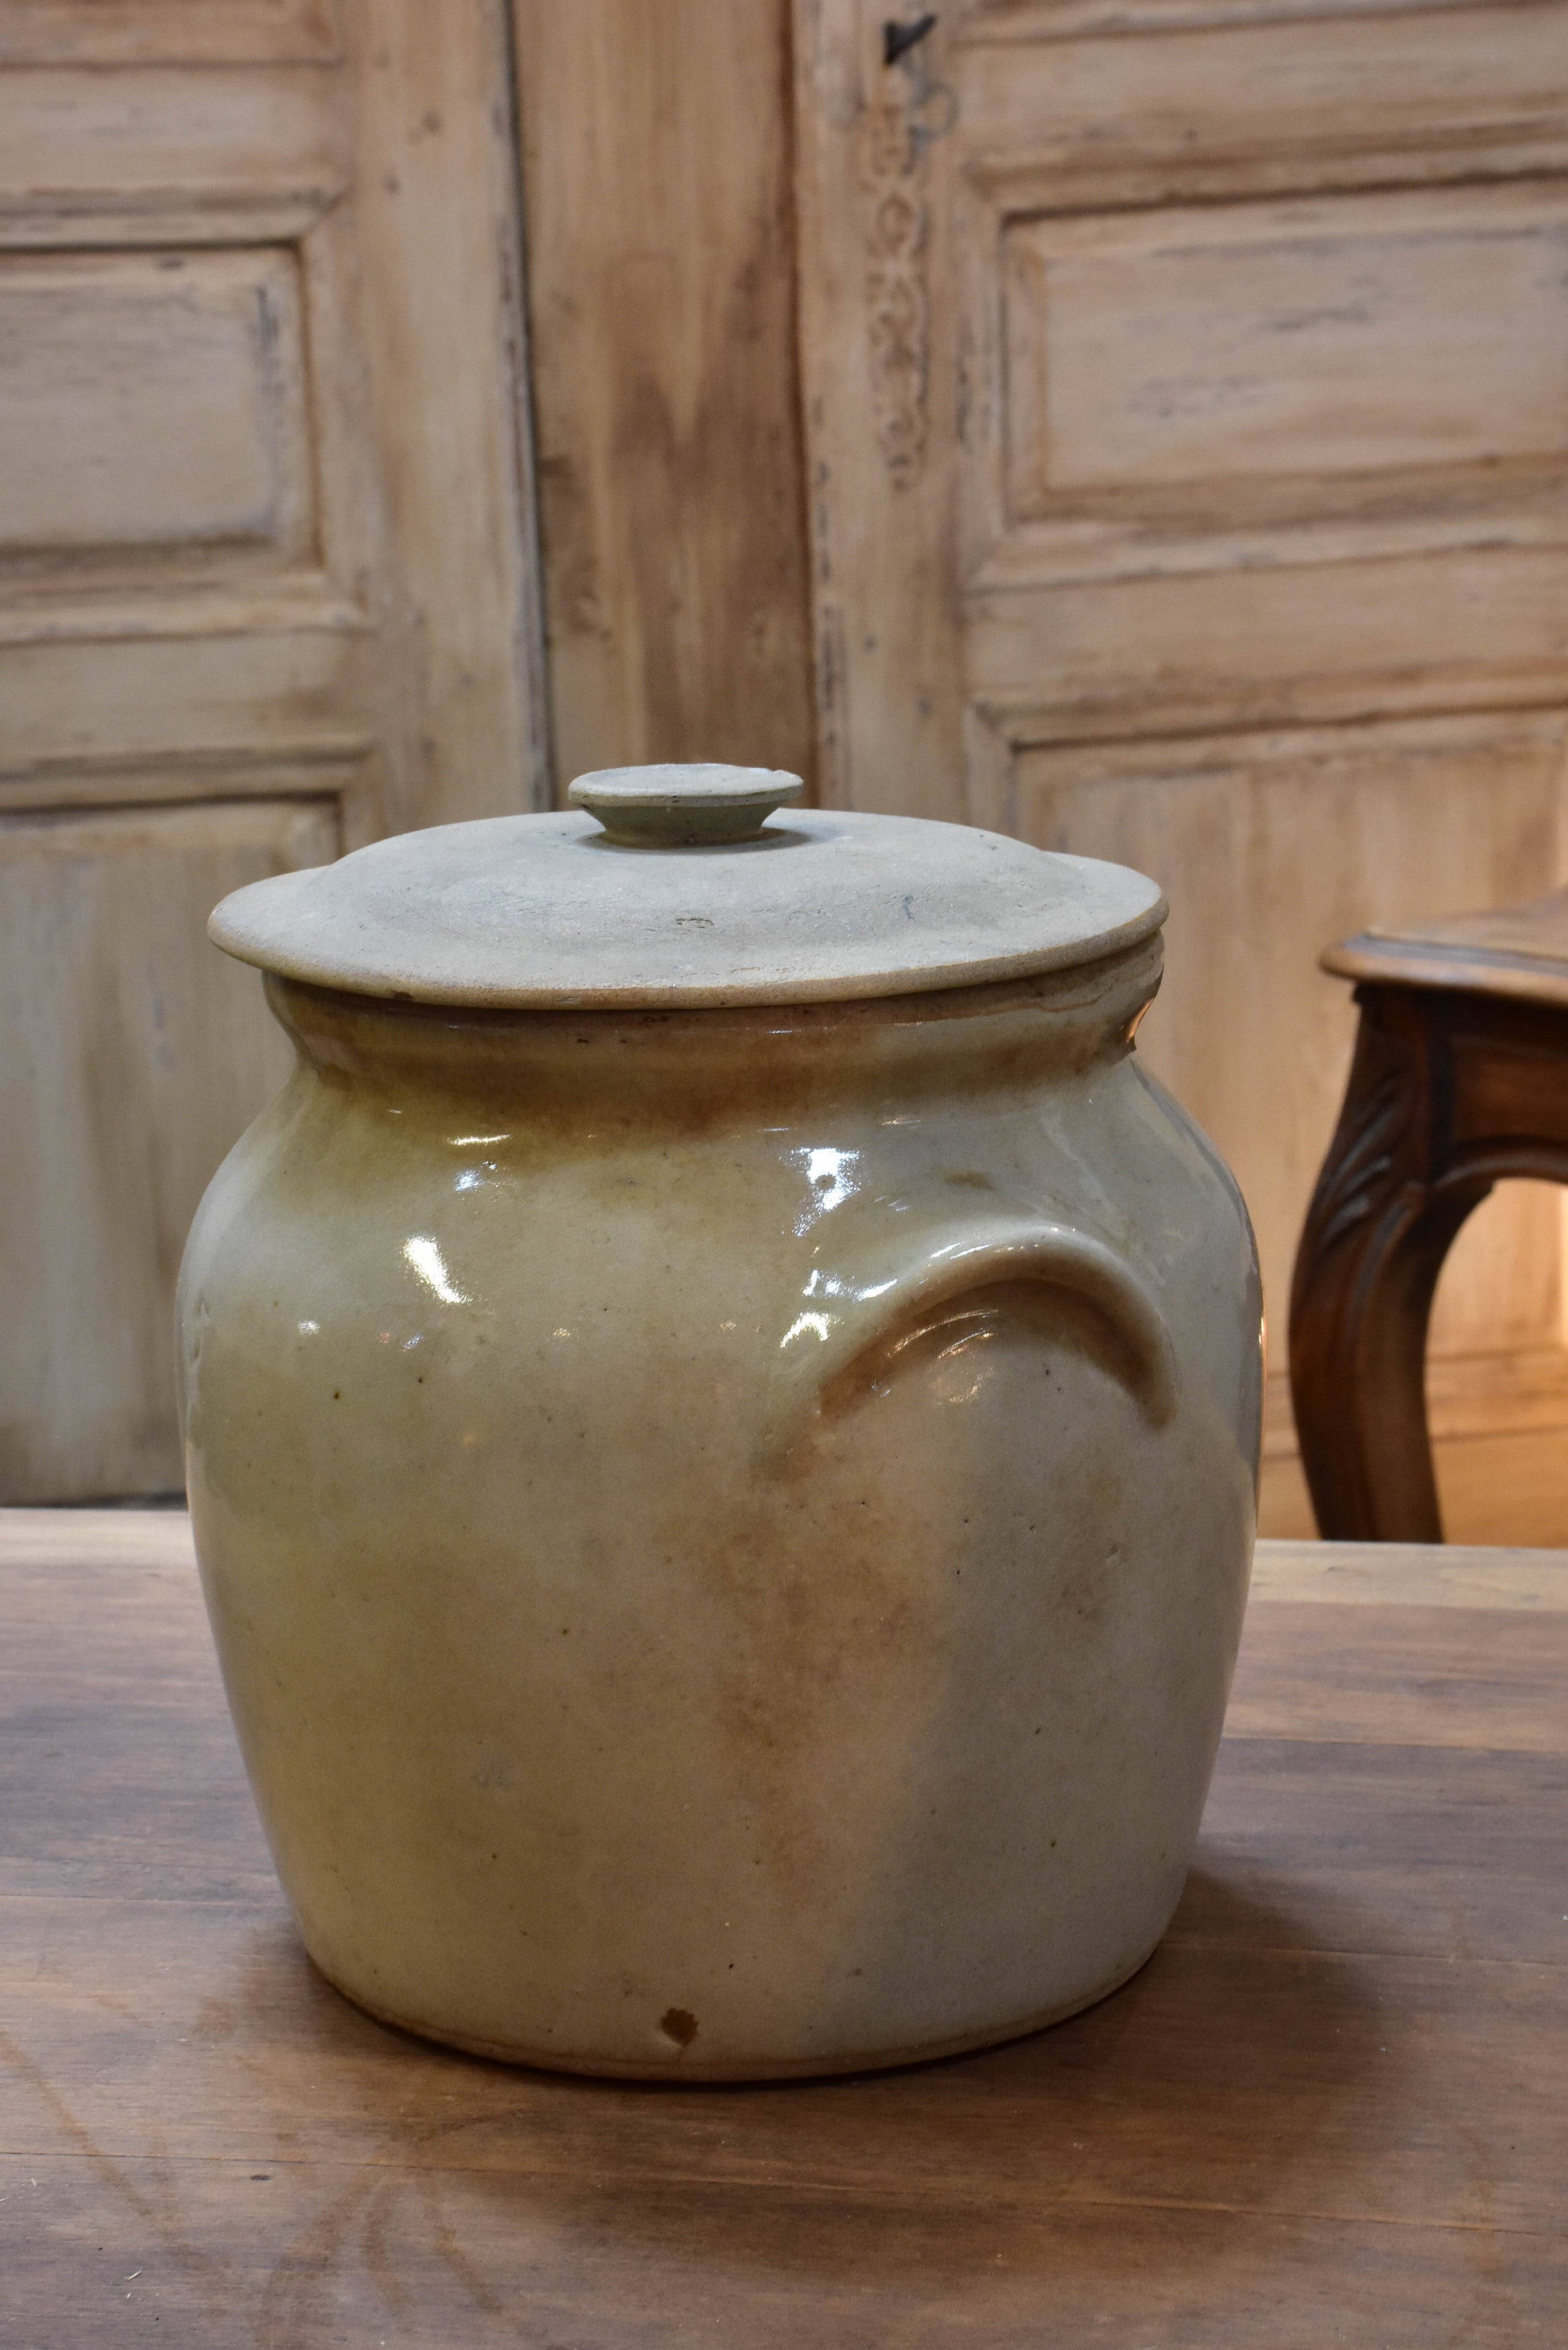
(722, 1409)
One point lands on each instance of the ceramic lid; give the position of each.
(684, 885)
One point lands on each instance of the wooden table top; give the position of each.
(1332, 2108)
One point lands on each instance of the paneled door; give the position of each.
(266, 589)
(1187, 392)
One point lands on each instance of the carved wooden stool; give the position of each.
(1460, 1076)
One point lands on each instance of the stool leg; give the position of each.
(1371, 1251)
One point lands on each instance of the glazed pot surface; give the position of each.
(726, 1532)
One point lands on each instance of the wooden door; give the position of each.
(1187, 394)
(265, 590)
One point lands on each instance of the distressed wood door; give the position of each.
(1187, 396)
(266, 589)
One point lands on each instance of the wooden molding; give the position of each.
(1008, 21)
(168, 32)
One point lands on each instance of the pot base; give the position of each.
(760, 2068)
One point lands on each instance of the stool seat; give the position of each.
(1459, 1079)
(1518, 951)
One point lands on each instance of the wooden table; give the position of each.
(1333, 2109)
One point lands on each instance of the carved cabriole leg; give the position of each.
(1376, 1233)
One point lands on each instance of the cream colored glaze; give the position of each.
(726, 1532)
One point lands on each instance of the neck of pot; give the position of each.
(715, 1066)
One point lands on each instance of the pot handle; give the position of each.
(847, 1321)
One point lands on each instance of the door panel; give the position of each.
(1221, 358)
(114, 1002)
(154, 408)
(1187, 388)
(266, 589)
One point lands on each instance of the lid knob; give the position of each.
(699, 807)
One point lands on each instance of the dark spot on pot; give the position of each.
(678, 2023)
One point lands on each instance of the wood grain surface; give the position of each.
(655, 152)
(1329, 2110)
